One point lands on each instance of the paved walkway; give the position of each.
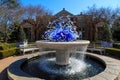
(4, 63)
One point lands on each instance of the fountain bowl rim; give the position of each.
(65, 42)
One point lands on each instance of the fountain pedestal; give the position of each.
(62, 57)
(63, 49)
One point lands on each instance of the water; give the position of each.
(44, 67)
(49, 66)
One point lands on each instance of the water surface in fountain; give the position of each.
(73, 67)
(44, 67)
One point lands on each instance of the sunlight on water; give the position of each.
(75, 66)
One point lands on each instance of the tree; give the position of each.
(106, 33)
(100, 15)
(38, 18)
(6, 12)
(116, 35)
(10, 3)
(116, 29)
(18, 34)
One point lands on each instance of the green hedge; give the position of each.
(116, 45)
(113, 51)
(8, 52)
(4, 46)
(31, 42)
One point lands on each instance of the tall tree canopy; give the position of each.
(10, 3)
(7, 8)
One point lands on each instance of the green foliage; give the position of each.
(8, 49)
(18, 34)
(113, 51)
(106, 33)
(1, 36)
(10, 3)
(8, 52)
(4, 46)
(116, 45)
(11, 45)
(21, 34)
(31, 42)
(7, 10)
(116, 34)
(116, 29)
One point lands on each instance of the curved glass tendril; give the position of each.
(61, 29)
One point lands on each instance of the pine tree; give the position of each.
(21, 34)
(18, 34)
(106, 33)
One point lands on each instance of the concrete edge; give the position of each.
(111, 71)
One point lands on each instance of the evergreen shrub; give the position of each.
(8, 52)
(113, 51)
(116, 45)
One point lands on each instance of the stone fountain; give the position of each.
(62, 38)
(63, 49)
(58, 64)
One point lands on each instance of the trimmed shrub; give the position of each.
(9, 52)
(116, 45)
(113, 51)
(12, 45)
(31, 42)
(4, 46)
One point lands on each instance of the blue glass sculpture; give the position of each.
(61, 29)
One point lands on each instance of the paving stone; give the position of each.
(86, 79)
(98, 78)
(108, 76)
(112, 71)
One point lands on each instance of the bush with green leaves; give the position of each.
(4, 46)
(106, 33)
(116, 45)
(8, 49)
(116, 34)
(8, 52)
(18, 34)
(113, 51)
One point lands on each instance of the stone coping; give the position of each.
(111, 71)
(62, 45)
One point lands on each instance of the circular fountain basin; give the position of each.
(44, 67)
(63, 49)
(16, 70)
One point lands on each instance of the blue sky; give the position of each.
(73, 6)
